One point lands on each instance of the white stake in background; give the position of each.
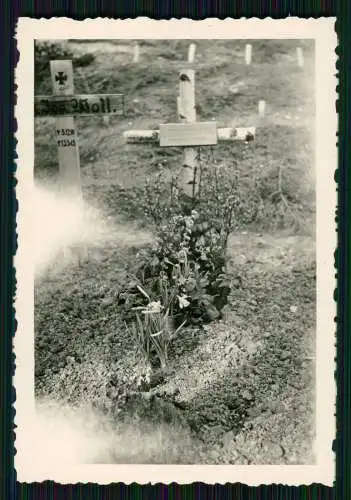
(248, 53)
(299, 55)
(191, 52)
(261, 107)
(136, 52)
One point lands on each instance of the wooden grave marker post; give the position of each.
(64, 105)
(65, 129)
(188, 133)
(187, 114)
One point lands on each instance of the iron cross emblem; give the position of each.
(61, 77)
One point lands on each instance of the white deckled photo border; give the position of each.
(323, 32)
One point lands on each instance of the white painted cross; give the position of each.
(64, 105)
(189, 133)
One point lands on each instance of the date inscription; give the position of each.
(66, 137)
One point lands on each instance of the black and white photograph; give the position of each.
(175, 250)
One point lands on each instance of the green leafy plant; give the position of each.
(182, 278)
(176, 263)
(161, 199)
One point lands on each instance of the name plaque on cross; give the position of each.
(79, 105)
(188, 134)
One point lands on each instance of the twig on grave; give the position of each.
(283, 198)
(194, 184)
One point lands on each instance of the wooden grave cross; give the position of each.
(64, 105)
(188, 133)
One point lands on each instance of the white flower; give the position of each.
(153, 307)
(183, 301)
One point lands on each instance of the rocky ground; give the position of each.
(243, 386)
